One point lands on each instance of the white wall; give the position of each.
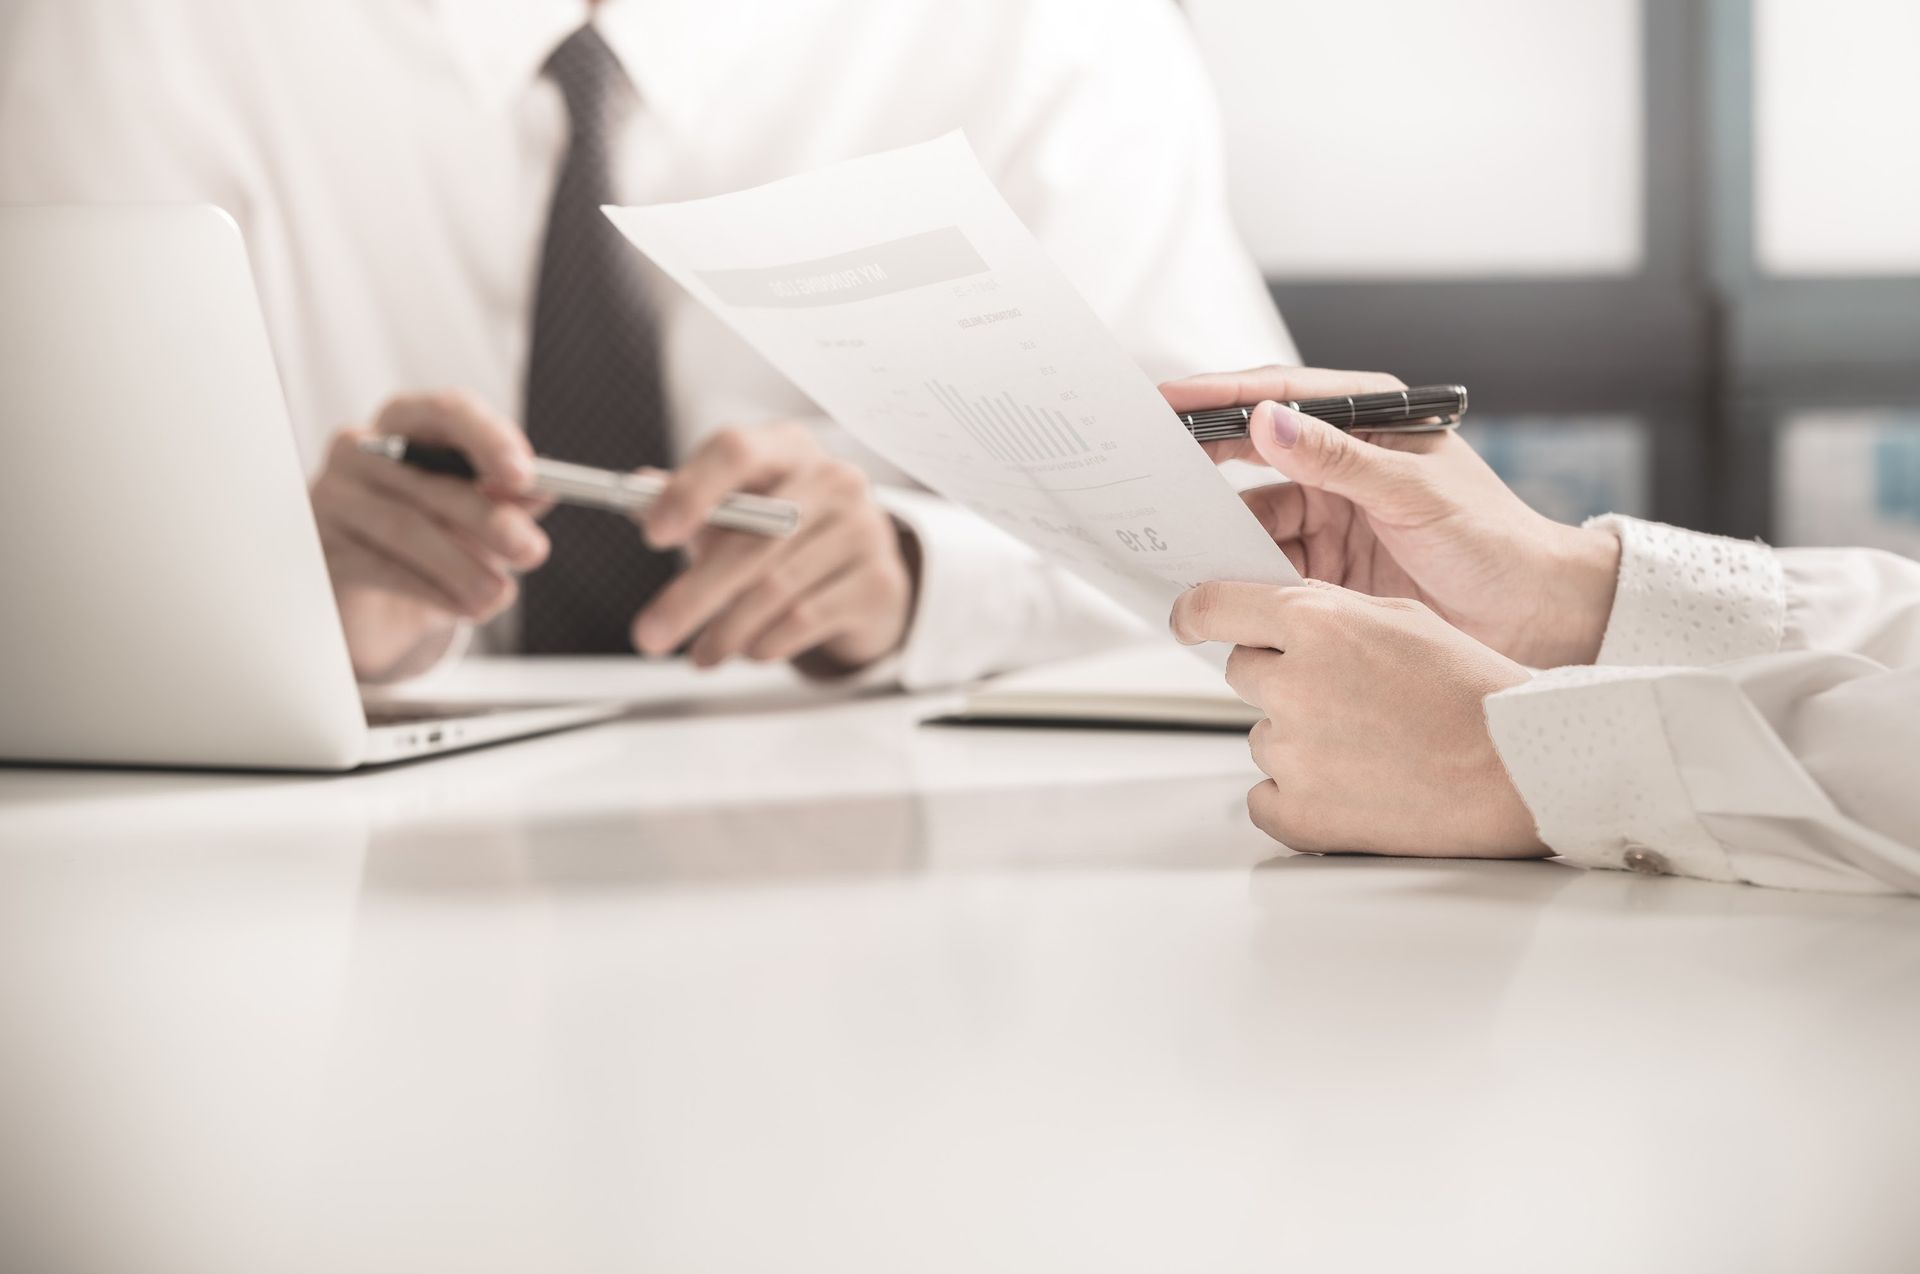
(1432, 138)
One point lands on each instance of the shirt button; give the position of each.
(1646, 861)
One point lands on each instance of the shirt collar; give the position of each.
(680, 54)
(502, 44)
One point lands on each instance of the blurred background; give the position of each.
(1672, 246)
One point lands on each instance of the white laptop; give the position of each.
(163, 599)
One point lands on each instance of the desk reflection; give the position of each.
(1176, 824)
(584, 1003)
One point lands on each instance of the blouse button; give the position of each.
(1646, 861)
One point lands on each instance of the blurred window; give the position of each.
(1570, 468)
(1508, 131)
(1836, 101)
(1849, 477)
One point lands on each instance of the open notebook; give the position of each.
(1158, 685)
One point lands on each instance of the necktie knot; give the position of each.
(590, 78)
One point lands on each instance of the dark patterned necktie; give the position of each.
(594, 393)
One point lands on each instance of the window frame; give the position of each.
(1707, 352)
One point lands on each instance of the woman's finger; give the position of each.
(1245, 388)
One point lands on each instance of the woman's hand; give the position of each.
(1375, 738)
(1417, 516)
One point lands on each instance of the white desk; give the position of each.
(772, 985)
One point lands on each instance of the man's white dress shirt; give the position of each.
(391, 163)
(1754, 715)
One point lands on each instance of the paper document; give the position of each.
(903, 295)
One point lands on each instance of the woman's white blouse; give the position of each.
(1754, 716)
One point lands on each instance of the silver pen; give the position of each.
(598, 488)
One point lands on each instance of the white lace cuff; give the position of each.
(1588, 753)
(1687, 599)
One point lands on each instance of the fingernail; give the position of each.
(1283, 424)
(1173, 620)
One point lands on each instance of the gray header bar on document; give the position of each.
(937, 256)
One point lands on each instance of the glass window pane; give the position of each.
(1849, 479)
(1431, 138)
(1569, 468)
(1837, 136)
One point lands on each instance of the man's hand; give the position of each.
(838, 593)
(412, 553)
(1414, 515)
(1375, 738)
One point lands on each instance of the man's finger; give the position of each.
(497, 448)
(820, 553)
(701, 591)
(506, 528)
(726, 563)
(817, 617)
(408, 536)
(355, 565)
(729, 460)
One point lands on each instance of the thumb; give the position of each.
(1315, 454)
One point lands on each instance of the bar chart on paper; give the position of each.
(1010, 431)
